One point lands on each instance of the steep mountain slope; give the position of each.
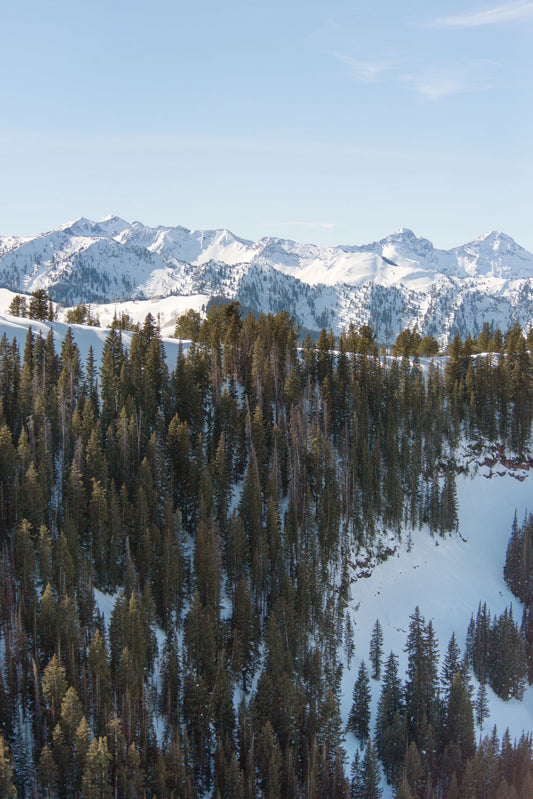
(400, 281)
(446, 576)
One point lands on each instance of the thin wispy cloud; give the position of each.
(443, 81)
(518, 11)
(435, 87)
(366, 71)
(431, 82)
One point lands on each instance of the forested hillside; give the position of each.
(217, 513)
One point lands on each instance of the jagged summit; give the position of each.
(113, 225)
(496, 237)
(80, 227)
(406, 234)
(399, 281)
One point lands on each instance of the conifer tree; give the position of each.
(404, 791)
(481, 705)
(96, 780)
(8, 466)
(269, 761)
(7, 787)
(451, 665)
(391, 733)
(54, 686)
(134, 778)
(18, 306)
(422, 679)
(47, 774)
(349, 644)
(330, 728)
(170, 680)
(507, 668)
(113, 359)
(368, 781)
(359, 717)
(38, 307)
(100, 676)
(243, 632)
(459, 726)
(376, 650)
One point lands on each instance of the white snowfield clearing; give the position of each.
(447, 578)
(165, 312)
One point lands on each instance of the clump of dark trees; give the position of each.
(424, 734)
(221, 505)
(518, 573)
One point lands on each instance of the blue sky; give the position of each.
(333, 122)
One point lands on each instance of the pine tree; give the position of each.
(170, 680)
(414, 770)
(179, 442)
(8, 465)
(511, 570)
(422, 677)
(507, 667)
(404, 790)
(200, 640)
(368, 781)
(330, 727)
(481, 642)
(96, 779)
(451, 665)
(54, 686)
(349, 644)
(134, 778)
(459, 728)
(481, 705)
(100, 677)
(38, 308)
(376, 650)
(82, 738)
(7, 787)
(18, 306)
(359, 717)
(269, 762)
(47, 774)
(113, 359)
(243, 634)
(487, 763)
(391, 733)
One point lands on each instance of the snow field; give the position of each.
(447, 578)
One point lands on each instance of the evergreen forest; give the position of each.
(177, 554)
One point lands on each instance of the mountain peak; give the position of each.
(113, 225)
(407, 242)
(87, 261)
(405, 233)
(79, 226)
(494, 242)
(496, 238)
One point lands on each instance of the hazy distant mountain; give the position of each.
(394, 283)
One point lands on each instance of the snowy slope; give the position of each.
(85, 337)
(397, 282)
(447, 578)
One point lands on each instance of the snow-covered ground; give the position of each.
(447, 578)
(165, 311)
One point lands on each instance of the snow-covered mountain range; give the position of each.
(398, 282)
